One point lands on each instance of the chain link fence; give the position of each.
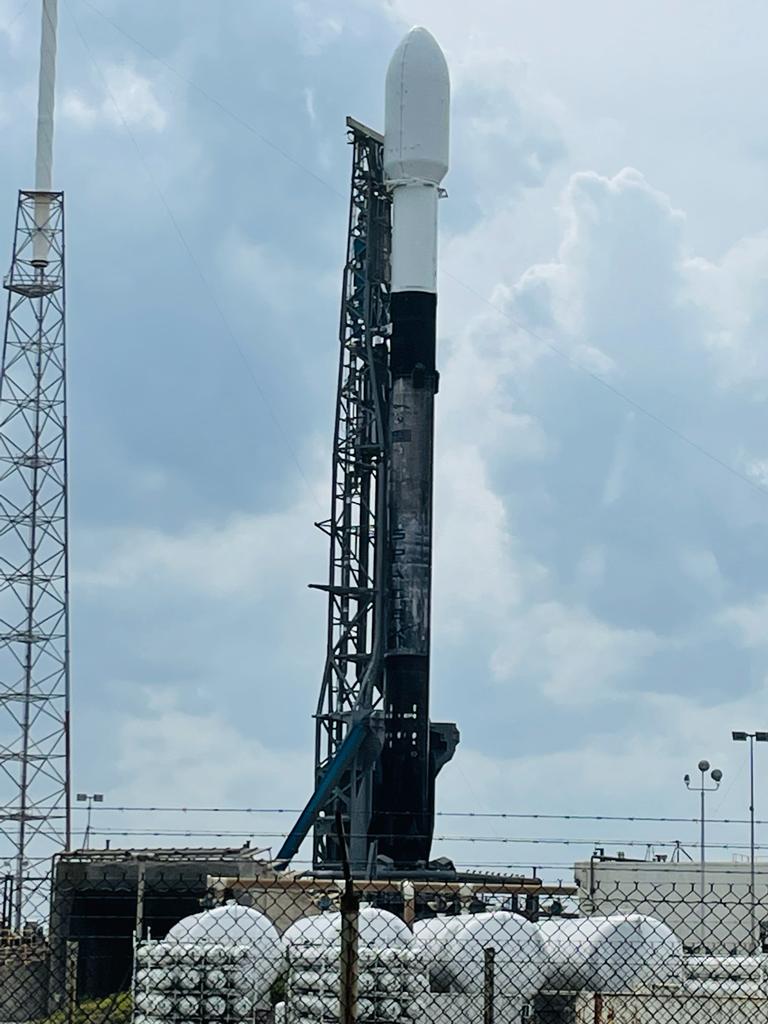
(190, 939)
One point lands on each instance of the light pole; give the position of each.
(760, 737)
(717, 776)
(92, 798)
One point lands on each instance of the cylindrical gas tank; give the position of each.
(430, 944)
(378, 929)
(233, 925)
(619, 953)
(518, 954)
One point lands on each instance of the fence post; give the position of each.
(349, 933)
(70, 979)
(409, 903)
(489, 984)
(350, 906)
(141, 884)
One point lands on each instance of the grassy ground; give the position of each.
(110, 1010)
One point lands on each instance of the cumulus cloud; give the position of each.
(176, 753)
(600, 772)
(228, 559)
(507, 138)
(12, 25)
(128, 97)
(749, 622)
(570, 655)
(601, 573)
(271, 278)
(732, 292)
(319, 24)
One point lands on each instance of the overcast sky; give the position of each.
(601, 579)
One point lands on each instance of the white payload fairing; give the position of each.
(416, 144)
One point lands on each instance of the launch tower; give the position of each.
(351, 686)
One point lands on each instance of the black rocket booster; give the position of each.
(416, 138)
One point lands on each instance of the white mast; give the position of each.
(44, 151)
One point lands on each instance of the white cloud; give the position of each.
(270, 278)
(166, 754)
(757, 470)
(634, 772)
(477, 578)
(128, 98)
(614, 483)
(174, 753)
(12, 23)
(508, 138)
(309, 104)
(617, 300)
(320, 23)
(572, 656)
(732, 295)
(244, 555)
(749, 622)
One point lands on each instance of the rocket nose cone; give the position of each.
(417, 110)
(420, 36)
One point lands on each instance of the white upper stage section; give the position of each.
(417, 111)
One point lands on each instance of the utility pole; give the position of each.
(717, 776)
(91, 798)
(761, 737)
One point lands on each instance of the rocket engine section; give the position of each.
(416, 143)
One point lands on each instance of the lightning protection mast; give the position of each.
(34, 613)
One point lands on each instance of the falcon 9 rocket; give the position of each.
(416, 142)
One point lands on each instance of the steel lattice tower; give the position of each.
(351, 686)
(34, 612)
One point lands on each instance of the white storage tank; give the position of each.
(612, 954)
(378, 929)
(430, 943)
(239, 938)
(519, 956)
(727, 968)
(230, 925)
(388, 975)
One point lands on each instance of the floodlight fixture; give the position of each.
(759, 737)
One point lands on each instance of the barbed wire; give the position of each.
(511, 815)
(504, 840)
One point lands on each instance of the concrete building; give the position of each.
(714, 911)
(101, 897)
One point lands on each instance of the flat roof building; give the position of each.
(715, 911)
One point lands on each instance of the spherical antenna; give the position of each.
(703, 766)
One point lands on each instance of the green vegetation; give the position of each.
(115, 1009)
